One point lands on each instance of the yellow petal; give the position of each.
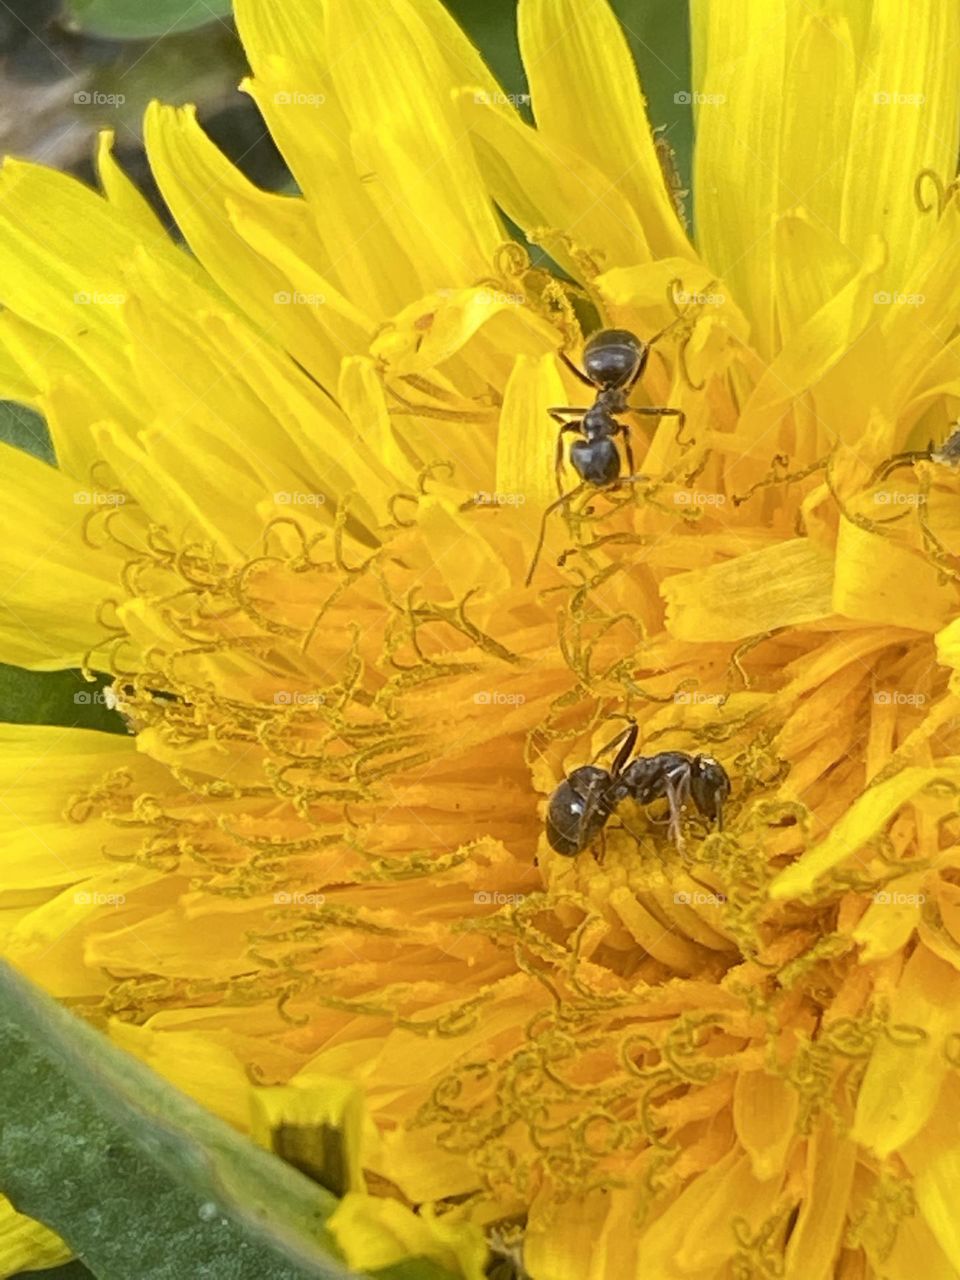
(831, 1161)
(695, 1234)
(936, 1180)
(581, 1243)
(195, 1063)
(394, 86)
(880, 581)
(51, 584)
(890, 919)
(376, 1233)
(764, 1114)
(185, 161)
(124, 196)
(816, 347)
(920, 315)
(812, 267)
(865, 817)
(544, 185)
(784, 584)
(816, 126)
(27, 1245)
(50, 944)
(372, 270)
(905, 118)
(916, 1250)
(648, 932)
(528, 436)
(741, 64)
(585, 94)
(905, 1072)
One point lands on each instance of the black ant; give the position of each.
(948, 455)
(614, 361)
(581, 806)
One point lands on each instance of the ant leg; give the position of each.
(573, 369)
(664, 411)
(558, 456)
(564, 497)
(564, 411)
(558, 462)
(628, 447)
(629, 738)
(678, 792)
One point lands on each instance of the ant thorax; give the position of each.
(598, 421)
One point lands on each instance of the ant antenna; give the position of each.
(561, 501)
(899, 460)
(682, 316)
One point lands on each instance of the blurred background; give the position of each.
(69, 68)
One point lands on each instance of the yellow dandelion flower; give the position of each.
(302, 470)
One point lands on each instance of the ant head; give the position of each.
(709, 787)
(614, 359)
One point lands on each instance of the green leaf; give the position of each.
(25, 430)
(143, 19)
(56, 697)
(138, 1179)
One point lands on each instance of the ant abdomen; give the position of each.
(578, 811)
(596, 461)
